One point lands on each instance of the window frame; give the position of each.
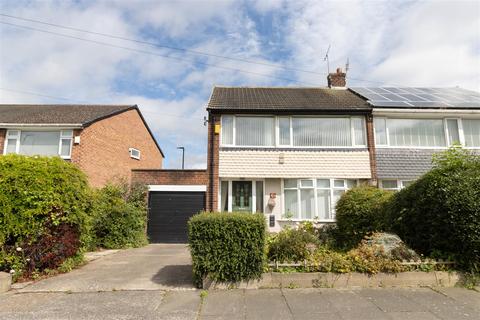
(315, 188)
(131, 150)
(400, 184)
(448, 143)
(276, 136)
(62, 136)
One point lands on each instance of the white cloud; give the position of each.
(428, 43)
(393, 42)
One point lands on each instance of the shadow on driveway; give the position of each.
(174, 276)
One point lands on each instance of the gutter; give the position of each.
(380, 111)
(42, 125)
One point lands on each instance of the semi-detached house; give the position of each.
(290, 153)
(105, 141)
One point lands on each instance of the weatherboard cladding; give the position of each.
(294, 164)
(284, 99)
(58, 114)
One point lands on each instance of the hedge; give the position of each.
(439, 214)
(360, 211)
(227, 247)
(43, 212)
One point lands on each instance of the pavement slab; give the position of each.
(442, 306)
(228, 304)
(266, 304)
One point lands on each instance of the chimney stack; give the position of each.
(337, 80)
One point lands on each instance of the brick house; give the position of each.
(105, 141)
(290, 153)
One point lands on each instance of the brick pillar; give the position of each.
(3, 133)
(212, 162)
(371, 149)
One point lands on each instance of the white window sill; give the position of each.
(306, 220)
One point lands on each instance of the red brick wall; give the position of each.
(371, 149)
(3, 133)
(103, 150)
(173, 177)
(212, 163)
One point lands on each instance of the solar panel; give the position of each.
(405, 97)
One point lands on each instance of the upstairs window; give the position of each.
(43, 143)
(427, 133)
(255, 131)
(283, 131)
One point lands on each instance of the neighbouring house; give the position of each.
(105, 141)
(290, 153)
(413, 123)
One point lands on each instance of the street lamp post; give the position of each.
(183, 156)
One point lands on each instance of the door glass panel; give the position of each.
(224, 196)
(242, 196)
(259, 196)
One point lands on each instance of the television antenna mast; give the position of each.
(327, 59)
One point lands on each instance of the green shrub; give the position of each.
(440, 212)
(43, 204)
(227, 246)
(293, 244)
(358, 212)
(119, 216)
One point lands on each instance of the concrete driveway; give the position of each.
(154, 267)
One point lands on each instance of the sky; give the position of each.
(177, 52)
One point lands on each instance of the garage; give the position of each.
(170, 207)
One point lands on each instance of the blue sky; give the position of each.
(409, 43)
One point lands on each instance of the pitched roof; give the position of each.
(58, 114)
(64, 114)
(284, 99)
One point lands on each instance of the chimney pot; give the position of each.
(339, 70)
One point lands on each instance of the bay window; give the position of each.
(427, 133)
(44, 143)
(307, 199)
(296, 131)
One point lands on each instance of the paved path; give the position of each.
(155, 282)
(154, 267)
(264, 304)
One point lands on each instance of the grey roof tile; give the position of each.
(58, 114)
(295, 99)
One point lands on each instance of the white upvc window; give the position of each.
(394, 184)
(313, 199)
(39, 142)
(426, 133)
(293, 131)
(134, 153)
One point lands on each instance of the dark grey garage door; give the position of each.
(169, 212)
